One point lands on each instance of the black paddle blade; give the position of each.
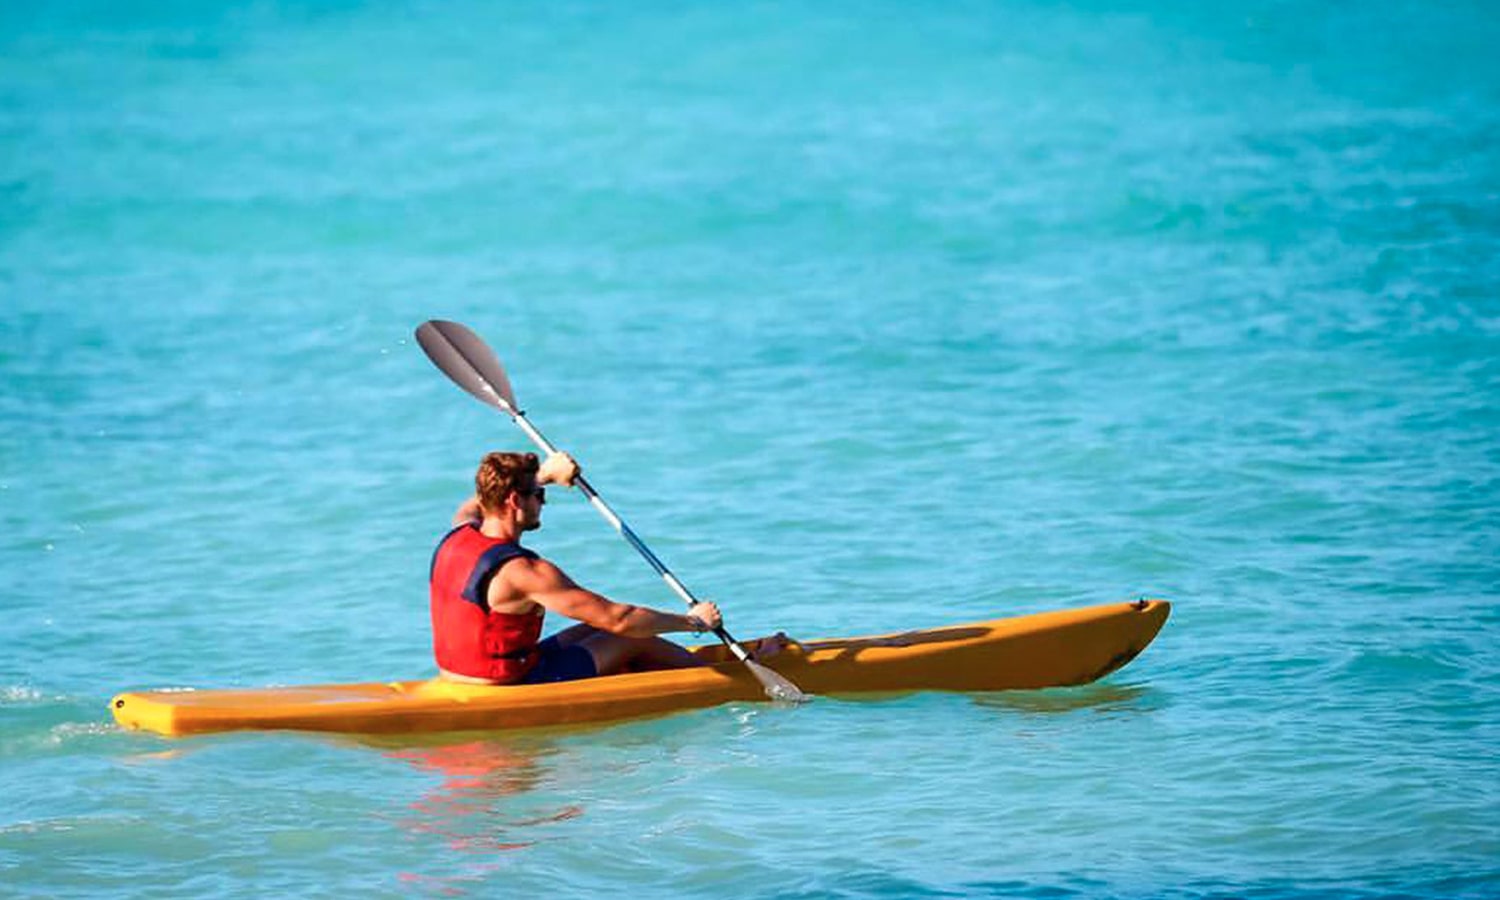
(467, 359)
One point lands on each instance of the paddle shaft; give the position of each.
(464, 357)
(625, 531)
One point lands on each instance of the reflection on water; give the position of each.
(154, 756)
(487, 797)
(1101, 698)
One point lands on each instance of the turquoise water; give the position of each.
(868, 317)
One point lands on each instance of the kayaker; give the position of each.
(489, 594)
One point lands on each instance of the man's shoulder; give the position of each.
(529, 566)
(526, 577)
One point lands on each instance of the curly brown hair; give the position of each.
(501, 473)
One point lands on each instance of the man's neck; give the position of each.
(501, 529)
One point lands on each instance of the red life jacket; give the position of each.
(467, 637)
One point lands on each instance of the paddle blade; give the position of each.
(777, 688)
(467, 359)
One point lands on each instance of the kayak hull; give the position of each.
(1052, 649)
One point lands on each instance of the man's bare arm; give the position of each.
(542, 582)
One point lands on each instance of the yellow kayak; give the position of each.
(1036, 651)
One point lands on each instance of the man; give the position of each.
(489, 594)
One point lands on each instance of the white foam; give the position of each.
(19, 693)
(68, 731)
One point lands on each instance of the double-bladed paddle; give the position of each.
(467, 359)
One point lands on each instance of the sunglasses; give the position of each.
(540, 493)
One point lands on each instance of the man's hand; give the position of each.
(559, 468)
(706, 614)
(468, 511)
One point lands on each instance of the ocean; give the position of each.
(867, 316)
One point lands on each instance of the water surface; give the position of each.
(868, 318)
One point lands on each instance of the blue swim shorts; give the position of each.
(559, 663)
